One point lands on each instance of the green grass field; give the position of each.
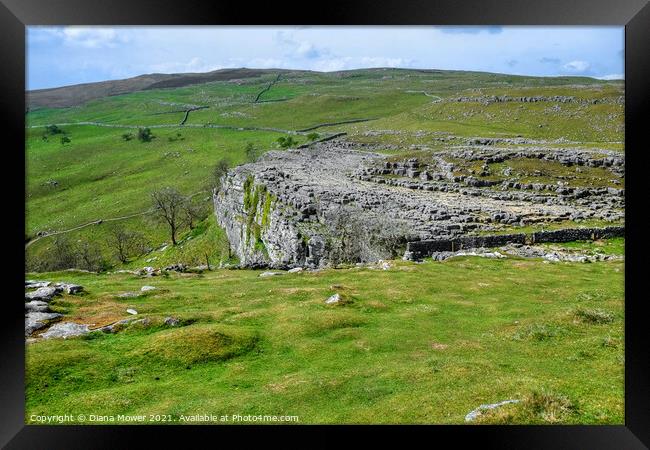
(419, 343)
(99, 175)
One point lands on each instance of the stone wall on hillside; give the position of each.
(422, 249)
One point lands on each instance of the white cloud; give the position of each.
(350, 62)
(98, 52)
(90, 37)
(193, 65)
(577, 66)
(297, 48)
(613, 76)
(307, 50)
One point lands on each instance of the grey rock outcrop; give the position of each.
(37, 320)
(44, 294)
(37, 306)
(64, 330)
(171, 321)
(286, 209)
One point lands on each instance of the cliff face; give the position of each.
(274, 211)
(332, 203)
(258, 226)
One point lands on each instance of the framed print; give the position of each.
(406, 214)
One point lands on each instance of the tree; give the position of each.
(287, 142)
(90, 257)
(252, 153)
(218, 172)
(169, 207)
(61, 256)
(144, 135)
(126, 243)
(53, 129)
(193, 212)
(355, 238)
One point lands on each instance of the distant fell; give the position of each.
(66, 96)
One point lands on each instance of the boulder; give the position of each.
(147, 288)
(171, 321)
(112, 328)
(333, 299)
(69, 288)
(147, 272)
(43, 293)
(176, 268)
(36, 306)
(132, 311)
(37, 320)
(65, 330)
(31, 284)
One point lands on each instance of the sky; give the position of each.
(60, 56)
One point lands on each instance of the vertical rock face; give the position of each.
(332, 203)
(258, 226)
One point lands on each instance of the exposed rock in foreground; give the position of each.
(319, 205)
(37, 308)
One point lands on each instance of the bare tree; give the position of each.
(90, 257)
(193, 211)
(126, 242)
(169, 205)
(358, 237)
(61, 255)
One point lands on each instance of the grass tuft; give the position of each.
(538, 407)
(594, 316)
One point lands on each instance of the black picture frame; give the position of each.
(633, 14)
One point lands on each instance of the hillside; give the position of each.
(287, 293)
(79, 94)
(98, 175)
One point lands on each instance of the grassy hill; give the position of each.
(98, 175)
(419, 343)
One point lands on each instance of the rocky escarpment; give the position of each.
(308, 207)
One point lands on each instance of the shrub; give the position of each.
(287, 142)
(65, 140)
(252, 153)
(127, 243)
(144, 135)
(352, 239)
(53, 129)
(313, 136)
(127, 136)
(64, 254)
(90, 257)
(538, 332)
